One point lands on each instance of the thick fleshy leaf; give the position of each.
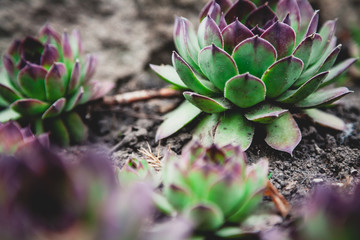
(9, 66)
(306, 11)
(74, 100)
(304, 49)
(8, 114)
(49, 56)
(10, 135)
(283, 134)
(76, 43)
(169, 74)
(209, 33)
(30, 107)
(207, 104)
(222, 24)
(217, 65)
(239, 10)
(204, 131)
(282, 37)
(234, 34)
(331, 59)
(178, 196)
(261, 16)
(75, 77)
(50, 34)
(188, 77)
(59, 132)
(326, 119)
(177, 119)
(285, 7)
(55, 82)
(293, 96)
(215, 12)
(234, 129)
(76, 128)
(8, 94)
(265, 113)
(224, 6)
(31, 50)
(245, 90)
(66, 47)
(254, 55)
(55, 109)
(282, 75)
(90, 67)
(323, 97)
(205, 216)
(32, 81)
(338, 70)
(14, 49)
(186, 42)
(313, 25)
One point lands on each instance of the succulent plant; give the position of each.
(212, 186)
(248, 66)
(46, 78)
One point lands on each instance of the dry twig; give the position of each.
(280, 202)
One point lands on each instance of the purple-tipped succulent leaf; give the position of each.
(49, 56)
(325, 119)
(209, 33)
(261, 16)
(235, 33)
(55, 109)
(265, 113)
(323, 97)
(239, 10)
(32, 81)
(285, 7)
(55, 82)
(207, 104)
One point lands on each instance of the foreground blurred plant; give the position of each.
(252, 65)
(212, 186)
(46, 79)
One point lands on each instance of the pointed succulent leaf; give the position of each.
(245, 90)
(8, 94)
(177, 119)
(293, 96)
(55, 82)
(32, 81)
(169, 74)
(282, 75)
(265, 113)
(306, 11)
(222, 23)
(283, 134)
(8, 114)
(188, 77)
(9, 66)
(234, 129)
(75, 77)
(224, 6)
(14, 50)
(325, 119)
(282, 37)
(76, 128)
(254, 55)
(205, 216)
(59, 132)
(241, 10)
(29, 107)
(235, 33)
(204, 131)
(261, 16)
(324, 97)
(178, 196)
(76, 43)
(285, 7)
(49, 34)
(49, 56)
(287, 20)
(74, 100)
(90, 67)
(207, 104)
(304, 49)
(313, 25)
(209, 33)
(337, 71)
(215, 12)
(66, 47)
(55, 109)
(331, 59)
(217, 65)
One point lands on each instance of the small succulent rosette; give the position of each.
(213, 186)
(46, 78)
(251, 65)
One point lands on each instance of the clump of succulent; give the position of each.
(212, 186)
(46, 78)
(249, 66)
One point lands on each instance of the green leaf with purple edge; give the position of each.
(240, 10)
(207, 104)
(217, 65)
(306, 15)
(265, 113)
(74, 100)
(205, 216)
(282, 37)
(260, 16)
(254, 55)
(55, 109)
(234, 129)
(304, 49)
(177, 119)
(331, 59)
(55, 82)
(177, 196)
(205, 129)
(76, 128)
(245, 90)
(49, 56)
(88, 92)
(224, 6)
(282, 75)
(8, 94)
(169, 74)
(58, 132)
(291, 7)
(32, 81)
(233, 233)
(29, 107)
(294, 96)
(75, 78)
(325, 119)
(283, 134)
(323, 97)
(313, 25)
(337, 71)
(8, 114)
(209, 33)
(235, 33)
(188, 77)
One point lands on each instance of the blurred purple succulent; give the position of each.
(248, 65)
(46, 79)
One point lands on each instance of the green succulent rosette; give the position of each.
(250, 66)
(45, 79)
